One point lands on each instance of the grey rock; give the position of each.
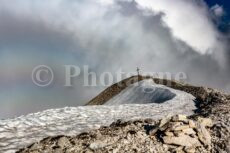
(183, 140)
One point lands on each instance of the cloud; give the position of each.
(218, 10)
(106, 35)
(187, 19)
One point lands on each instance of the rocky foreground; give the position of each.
(171, 134)
(208, 130)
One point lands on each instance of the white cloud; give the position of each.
(189, 22)
(218, 10)
(103, 30)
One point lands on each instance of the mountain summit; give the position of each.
(125, 109)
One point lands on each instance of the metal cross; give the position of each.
(138, 71)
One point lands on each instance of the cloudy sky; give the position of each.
(190, 36)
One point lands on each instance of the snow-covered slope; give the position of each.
(147, 91)
(157, 101)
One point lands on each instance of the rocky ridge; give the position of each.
(171, 134)
(206, 131)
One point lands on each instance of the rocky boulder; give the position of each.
(183, 133)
